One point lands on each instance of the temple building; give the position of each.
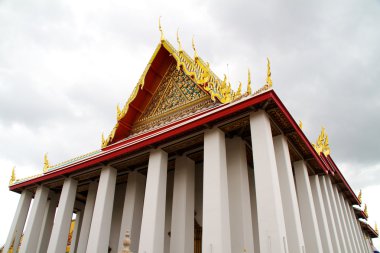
(193, 166)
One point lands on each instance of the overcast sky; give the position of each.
(65, 65)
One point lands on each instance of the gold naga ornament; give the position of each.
(46, 163)
(13, 176)
(376, 228)
(249, 89)
(366, 210)
(360, 196)
(322, 143)
(269, 74)
(300, 124)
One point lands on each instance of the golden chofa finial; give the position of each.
(46, 163)
(195, 50)
(103, 141)
(365, 210)
(249, 89)
(300, 124)
(179, 42)
(161, 31)
(360, 196)
(269, 74)
(13, 176)
(322, 144)
(238, 92)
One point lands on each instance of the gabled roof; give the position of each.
(163, 57)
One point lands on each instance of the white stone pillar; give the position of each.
(342, 220)
(182, 225)
(63, 216)
(292, 217)
(329, 215)
(117, 216)
(350, 232)
(47, 225)
(168, 210)
(353, 227)
(308, 216)
(153, 221)
(132, 210)
(198, 205)
(101, 224)
(360, 233)
(239, 196)
(19, 219)
(321, 214)
(272, 232)
(255, 220)
(216, 235)
(334, 206)
(87, 217)
(34, 225)
(76, 232)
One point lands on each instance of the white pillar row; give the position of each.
(268, 196)
(307, 210)
(348, 242)
(87, 217)
(358, 230)
(216, 235)
(336, 216)
(98, 238)
(76, 232)
(329, 215)
(168, 211)
(353, 227)
(34, 225)
(321, 214)
(153, 219)
(255, 221)
(182, 225)
(239, 196)
(63, 216)
(117, 216)
(47, 224)
(132, 210)
(19, 219)
(350, 232)
(362, 236)
(288, 195)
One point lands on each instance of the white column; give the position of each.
(117, 216)
(329, 215)
(334, 206)
(272, 232)
(87, 217)
(360, 233)
(368, 241)
(101, 224)
(153, 221)
(61, 227)
(132, 210)
(355, 247)
(19, 219)
(342, 220)
(48, 222)
(182, 225)
(239, 196)
(168, 210)
(198, 205)
(34, 225)
(306, 203)
(216, 235)
(292, 217)
(353, 227)
(76, 232)
(321, 214)
(255, 220)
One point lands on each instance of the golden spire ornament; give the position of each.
(103, 141)
(360, 196)
(269, 74)
(13, 176)
(46, 163)
(249, 89)
(365, 210)
(118, 111)
(195, 50)
(300, 124)
(376, 228)
(161, 31)
(238, 92)
(179, 42)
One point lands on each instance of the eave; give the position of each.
(368, 230)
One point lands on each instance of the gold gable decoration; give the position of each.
(322, 143)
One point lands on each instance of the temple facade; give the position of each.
(192, 166)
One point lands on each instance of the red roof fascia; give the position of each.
(341, 177)
(328, 165)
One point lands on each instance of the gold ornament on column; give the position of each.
(46, 163)
(13, 176)
(161, 31)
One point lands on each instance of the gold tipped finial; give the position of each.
(118, 112)
(195, 50)
(360, 196)
(161, 31)
(269, 74)
(238, 92)
(179, 42)
(13, 176)
(300, 124)
(365, 210)
(249, 89)
(376, 228)
(103, 141)
(46, 163)
(322, 144)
